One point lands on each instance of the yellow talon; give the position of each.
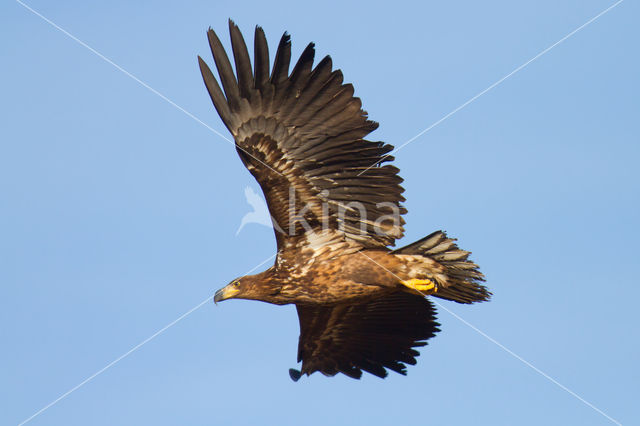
(423, 286)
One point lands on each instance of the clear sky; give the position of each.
(119, 212)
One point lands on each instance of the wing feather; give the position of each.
(281, 62)
(370, 336)
(227, 78)
(302, 133)
(242, 61)
(217, 97)
(261, 55)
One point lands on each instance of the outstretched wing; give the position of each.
(300, 135)
(370, 336)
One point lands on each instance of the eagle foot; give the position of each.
(424, 286)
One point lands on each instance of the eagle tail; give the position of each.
(463, 276)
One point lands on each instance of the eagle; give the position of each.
(336, 208)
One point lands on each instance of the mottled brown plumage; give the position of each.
(361, 305)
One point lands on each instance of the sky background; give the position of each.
(118, 213)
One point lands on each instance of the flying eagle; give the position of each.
(336, 210)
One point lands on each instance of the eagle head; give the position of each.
(253, 287)
(232, 290)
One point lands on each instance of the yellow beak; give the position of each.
(225, 293)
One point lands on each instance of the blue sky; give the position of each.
(118, 213)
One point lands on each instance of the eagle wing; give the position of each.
(372, 336)
(301, 136)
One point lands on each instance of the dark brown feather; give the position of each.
(228, 79)
(304, 131)
(242, 61)
(371, 336)
(261, 55)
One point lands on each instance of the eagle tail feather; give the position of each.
(463, 277)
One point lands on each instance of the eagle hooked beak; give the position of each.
(227, 292)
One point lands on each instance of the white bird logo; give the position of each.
(260, 213)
